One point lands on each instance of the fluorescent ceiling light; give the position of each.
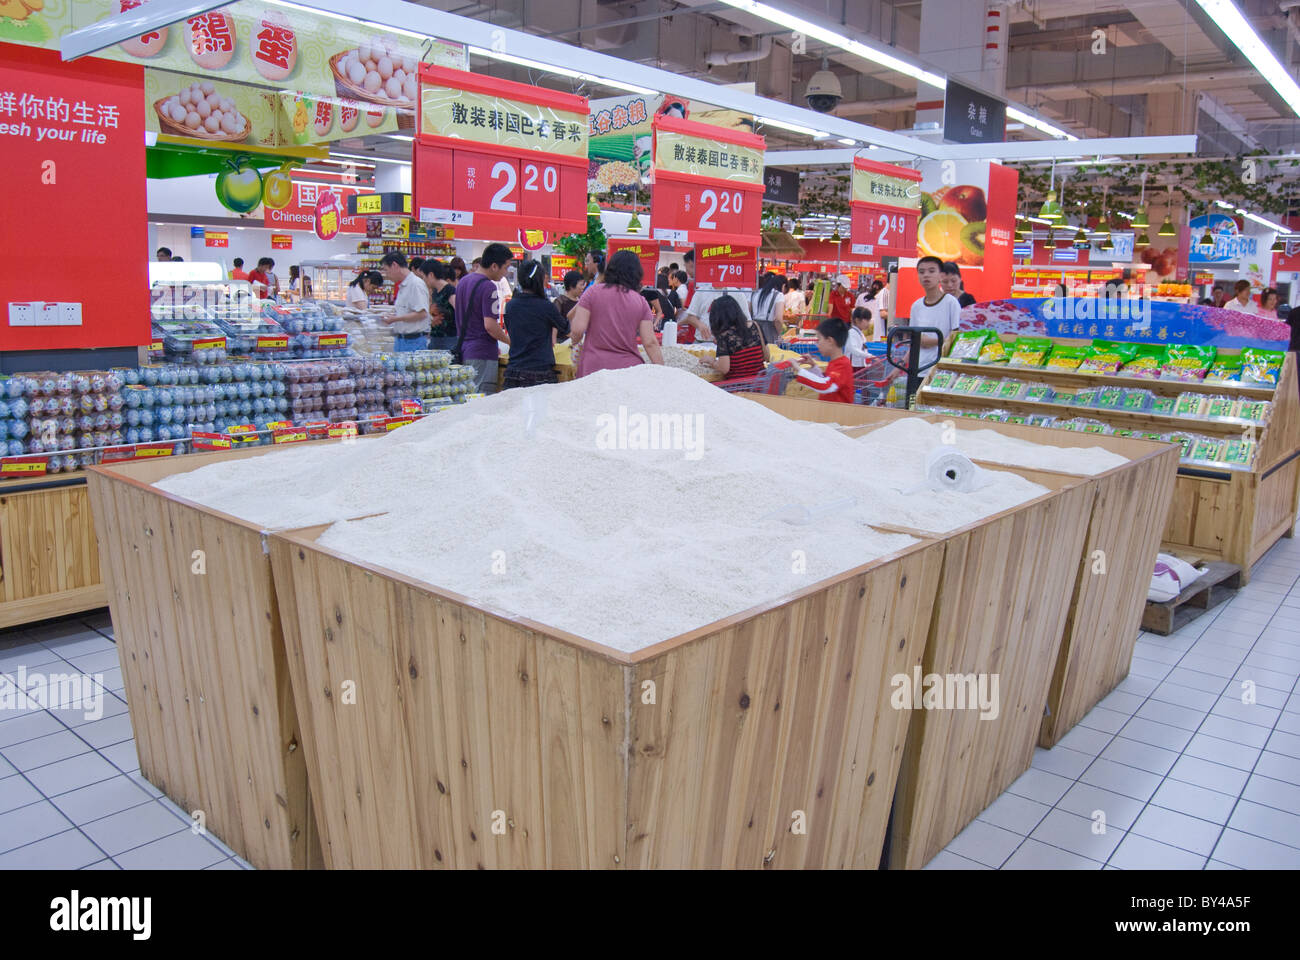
(810, 29)
(1243, 35)
(342, 16)
(1260, 220)
(1015, 113)
(847, 142)
(1220, 203)
(561, 71)
(398, 136)
(353, 156)
(794, 127)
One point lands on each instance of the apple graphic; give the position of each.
(239, 187)
(967, 201)
(277, 187)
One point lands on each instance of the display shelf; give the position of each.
(1230, 512)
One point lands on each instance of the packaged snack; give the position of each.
(987, 387)
(1184, 441)
(1146, 363)
(1240, 453)
(1220, 407)
(1030, 351)
(1105, 356)
(1187, 363)
(1109, 397)
(1016, 418)
(1261, 367)
(1041, 420)
(1066, 358)
(1066, 397)
(1256, 411)
(968, 344)
(1124, 432)
(966, 383)
(1038, 392)
(1096, 426)
(1137, 401)
(1011, 389)
(1085, 397)
(1163, 405)
(1187, 405)
(1208, 448)
(943, 380)
(995, 351)
(998, 415)
(1225, 370)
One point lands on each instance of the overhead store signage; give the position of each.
(499, 156)
(972, 117)
(282, 241)
(708, 183)
(781, 186)
(726, 264)
(885, 207)
(300, 212)
(216, 238)
(560, 265)
(1230, 245)
(647, 251)
(375, 204)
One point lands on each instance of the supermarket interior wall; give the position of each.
(253, 243)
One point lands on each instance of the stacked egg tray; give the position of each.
(428, 375)
(314, 333)
(61, 414)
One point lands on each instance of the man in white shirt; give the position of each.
(934, 309)
(697, 312)
(410, 321)
(1241, 300)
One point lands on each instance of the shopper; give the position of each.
(477, 316)
(952, 285)
(865, 293)
(458, 269)
(164, 255)
(1219, 295)
(677, 281)
(694, 319)
(409, 320)
(593, 266)
(767, 307)
(609, 317)
(935, 309)
(842, 301)
(415, 264)
(740, 347)
(856, 345)
(239, 273)
(532, 322)
(795, 305)
(573, 283)
(442, 331)
(261, 279)
(360, 289)
(1268, 300)
(660, 306)
(299, 282)
(836, 382)
(1241, 300)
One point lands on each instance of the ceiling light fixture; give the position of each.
(561, 71)
(1257, 52)
(794, 127)
(1015, 113)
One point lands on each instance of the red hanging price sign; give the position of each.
(708, 183)
(885, 208)
(647, 251)
(496, 157)
(726, 264)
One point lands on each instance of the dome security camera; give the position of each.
(824, 92)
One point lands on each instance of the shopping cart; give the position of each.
(875, 383)
(771, 381)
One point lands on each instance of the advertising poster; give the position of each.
(619, 141)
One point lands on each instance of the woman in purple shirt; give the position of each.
(610, 316)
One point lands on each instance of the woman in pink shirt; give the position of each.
(610, 316)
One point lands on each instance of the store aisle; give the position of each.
(1186, 775)
(71, 793)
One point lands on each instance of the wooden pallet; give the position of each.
(1216, 584)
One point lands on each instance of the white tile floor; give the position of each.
(71, 793)
(1185, 774)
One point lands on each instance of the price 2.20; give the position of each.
(716, 202)
(536, 179)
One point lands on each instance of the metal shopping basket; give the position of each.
(874, 383)
(771, 381)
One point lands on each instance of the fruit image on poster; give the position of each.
(952, 224)
(239, 186)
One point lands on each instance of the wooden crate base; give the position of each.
(1219, 582)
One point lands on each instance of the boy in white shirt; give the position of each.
(935, 309)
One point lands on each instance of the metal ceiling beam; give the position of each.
(1012, 150)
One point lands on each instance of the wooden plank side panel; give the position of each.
(1275, 502)
(1110, 591)
(47, 545)
(1000, 611)
(773, 723)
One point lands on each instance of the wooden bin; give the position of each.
(956, 765)
(49, 562)
(701, 751)
(203, 661)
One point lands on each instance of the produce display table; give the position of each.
(49, 562)
(1056, 657)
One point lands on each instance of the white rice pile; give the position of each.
(913, 438)
(541, 502)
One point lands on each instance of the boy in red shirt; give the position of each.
(836, 383)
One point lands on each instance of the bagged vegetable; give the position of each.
(1225, 370)
(968, 344)
(1187, 363)
(1261, 366)
(995, 351)
(1146, 363)
(1106, 356)
(1030, 351)
(1066, 358)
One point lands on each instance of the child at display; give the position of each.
(531, 320)
(934, 309)
(836, 382)
(856, 347)
(740, 345)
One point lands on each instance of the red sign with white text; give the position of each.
(63, 126)
(216, 238)
(282, 241)
(708, 183)
(300, 212)
(885, 207)
(647, 251)
(726, 264)
(492, 157)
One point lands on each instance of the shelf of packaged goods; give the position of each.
(1075, 379)
(1133, 418)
